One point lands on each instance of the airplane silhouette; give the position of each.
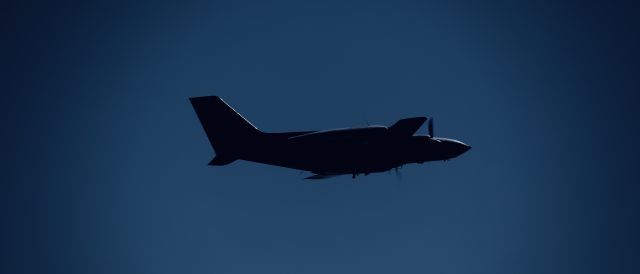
(326, 153)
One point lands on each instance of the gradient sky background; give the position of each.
(104, 167)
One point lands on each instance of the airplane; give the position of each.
(325, 153)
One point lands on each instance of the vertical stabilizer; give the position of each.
(227, 130)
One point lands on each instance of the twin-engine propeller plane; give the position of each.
(325, 153)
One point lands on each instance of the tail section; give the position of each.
(228, 132)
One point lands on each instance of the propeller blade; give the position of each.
(430, 127)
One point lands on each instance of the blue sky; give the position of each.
(105, 161)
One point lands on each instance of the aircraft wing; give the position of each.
(408, 126)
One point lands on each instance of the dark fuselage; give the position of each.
(348, 151)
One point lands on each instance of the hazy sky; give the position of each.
(105, 162)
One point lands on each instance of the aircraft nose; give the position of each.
(453, 148)
(466, 147)
(462, 148)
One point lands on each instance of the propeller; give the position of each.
(430, 127)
